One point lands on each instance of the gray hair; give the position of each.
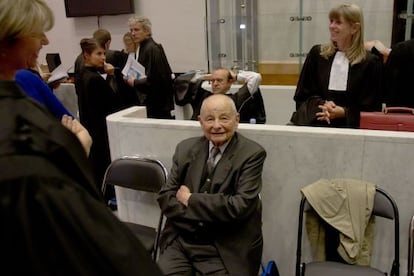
(144, 21)
(224, 98)
(20, 18)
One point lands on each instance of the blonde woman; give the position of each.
(54, 220)
(129, 45)
(340, 78)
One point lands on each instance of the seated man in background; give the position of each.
(211, 199)
(248, 98)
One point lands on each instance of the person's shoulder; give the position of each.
(25, 73)
(116, 53)
(372, 58)
(190, 146)
(248, 144)
(148, 43)
(192, 141)
(26, 78)
(316, 48)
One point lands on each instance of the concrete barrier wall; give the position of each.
(297, 156)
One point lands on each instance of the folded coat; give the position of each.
(345, 204)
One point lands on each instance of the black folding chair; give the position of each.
(384, 206)
(139, 174)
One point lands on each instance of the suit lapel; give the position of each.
(199, 157)
(224, 166)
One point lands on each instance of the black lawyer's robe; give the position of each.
(364, 89)
(399, 73)
(159, 83)
(54, 220)
(96, 100)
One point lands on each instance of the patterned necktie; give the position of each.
(210, 162)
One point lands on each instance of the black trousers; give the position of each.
(182, 257)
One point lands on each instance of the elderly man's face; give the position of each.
(218, 119)
(220, 82)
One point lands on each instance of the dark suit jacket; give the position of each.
(231, 213)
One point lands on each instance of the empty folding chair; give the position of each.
(139, 174)
(384, 206)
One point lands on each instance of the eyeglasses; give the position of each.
(217, 80)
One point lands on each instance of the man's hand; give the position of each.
(45, 76)
(130, 81)
(183, 194)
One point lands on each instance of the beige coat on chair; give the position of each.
(346, 204)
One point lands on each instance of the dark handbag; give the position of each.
(270, 269)
(392, 118)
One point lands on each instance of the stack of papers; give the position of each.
(58, 74)
(133, 69)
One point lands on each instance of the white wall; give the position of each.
(178, 25)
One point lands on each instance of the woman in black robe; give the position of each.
(339, 79)
(96, 100)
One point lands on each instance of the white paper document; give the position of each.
(58, 74)
(133, 68)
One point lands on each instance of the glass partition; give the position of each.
(232, 34)
(273, 37)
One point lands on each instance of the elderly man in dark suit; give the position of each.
(211, 200)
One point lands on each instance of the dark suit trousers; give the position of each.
(185, 258)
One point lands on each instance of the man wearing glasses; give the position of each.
(248, 99)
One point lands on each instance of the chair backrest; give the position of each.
(137, 173)
(384, 206)
(141, 174)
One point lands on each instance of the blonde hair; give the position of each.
(352, 14)
(144, 21)
(20, 18)
(127, 36)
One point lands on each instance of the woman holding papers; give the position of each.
(96, 100)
